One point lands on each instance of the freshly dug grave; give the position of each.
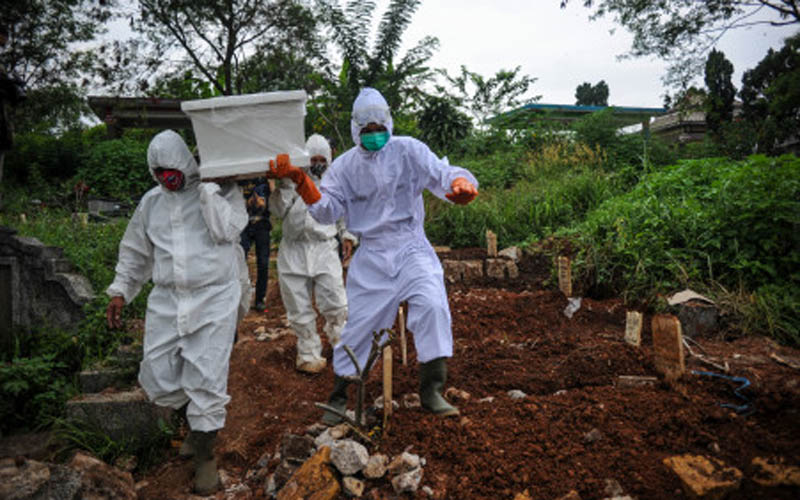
(575, 429)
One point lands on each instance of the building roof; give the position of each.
(144, 112)
(626, 115)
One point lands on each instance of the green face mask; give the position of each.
(373, 141)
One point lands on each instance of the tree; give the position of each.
(441, 124)
(587, 94)
(485, 98)
(42, 52)
(771, 95)
(683, 31)
(216, 37)
(721, 92)
(373, 63)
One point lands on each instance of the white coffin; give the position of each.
(238, 135)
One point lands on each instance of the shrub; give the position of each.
(32, 391)
(735, 223)
(117, 168)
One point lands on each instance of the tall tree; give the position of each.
(587, 94)
(484, 98)
(42, 52)
(216, 37)
(771, 95)
(370, 61)
(683, 31)
(721, 92)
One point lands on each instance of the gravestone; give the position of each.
(6, 308)
(668, 346)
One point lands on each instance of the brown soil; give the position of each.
(516, 336)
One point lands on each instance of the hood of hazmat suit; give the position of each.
(186, 242)
(316, 145)
(369, 107)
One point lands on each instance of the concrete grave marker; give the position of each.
(491, 244)
(668, 346)
(633, 328)
(565, 275)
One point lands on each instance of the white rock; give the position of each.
(516, 394)
(403, 463)
(407, 482)
(349, 456)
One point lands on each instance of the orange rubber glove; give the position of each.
(282, 168)
(463, 191)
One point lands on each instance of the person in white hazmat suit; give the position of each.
(308, 260)
(184, 235)
(377, 186)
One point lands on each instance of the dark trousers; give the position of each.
(258, 233)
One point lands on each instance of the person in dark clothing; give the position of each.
(256, 193)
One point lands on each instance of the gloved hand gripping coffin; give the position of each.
(236, 135)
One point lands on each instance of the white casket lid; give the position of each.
(244, 100)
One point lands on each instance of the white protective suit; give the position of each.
(308, 259)
(186, 241)
(380, 195)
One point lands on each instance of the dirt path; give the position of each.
(574, 430)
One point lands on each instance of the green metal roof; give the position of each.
(625, 115)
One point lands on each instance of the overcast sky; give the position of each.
(560, 47)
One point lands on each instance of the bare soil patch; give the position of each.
(514, 335)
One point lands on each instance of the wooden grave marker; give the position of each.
(633, 328)
(668, 346)
(565, 275)
(491, 244)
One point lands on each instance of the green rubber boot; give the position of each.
(187, 447)
(338, 400)
(432, 377)
(206, 479)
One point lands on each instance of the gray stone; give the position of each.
(407, 482)
(296, 448)
(613, 488)
(349, 456)
(324, 439)
(41, 287)
(120, 415)
(516, 394)
(698, 318)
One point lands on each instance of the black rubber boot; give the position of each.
(338, 400)
(206, 479)
(432, 377)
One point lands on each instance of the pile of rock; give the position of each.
(327, 461)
